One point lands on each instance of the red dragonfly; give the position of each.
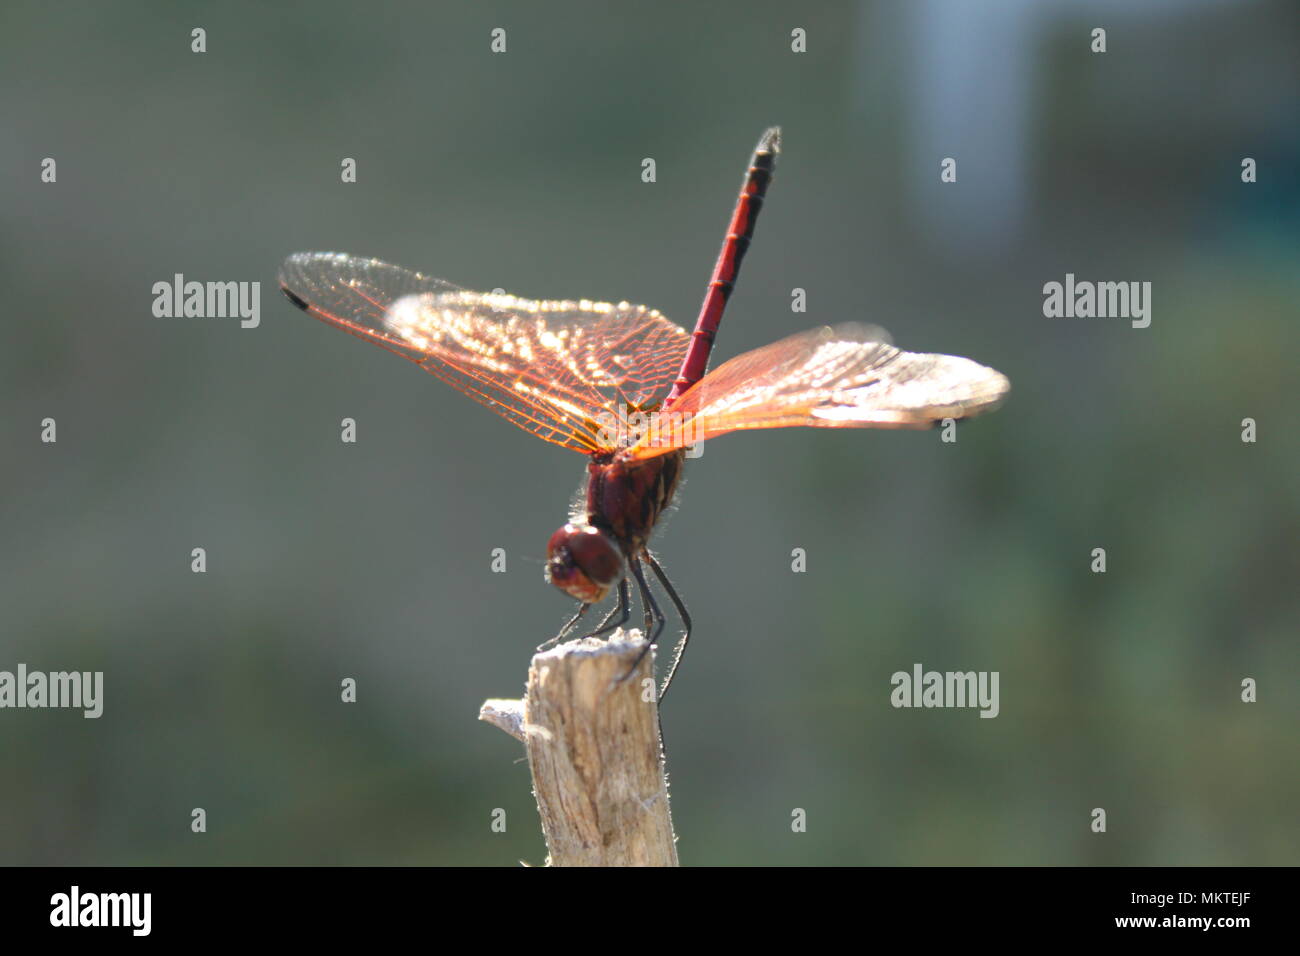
(627, 387)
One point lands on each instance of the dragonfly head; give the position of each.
(583, 562)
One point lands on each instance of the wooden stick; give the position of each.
(594, 751)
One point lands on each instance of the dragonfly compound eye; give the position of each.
(583, 562)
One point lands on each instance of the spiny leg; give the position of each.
(623, 609)
(583, 608)
(680, 650)
(654, 618)
(652, 609)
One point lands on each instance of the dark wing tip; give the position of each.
(292, 297)
(294, 267)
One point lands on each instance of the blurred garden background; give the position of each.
(521, 170)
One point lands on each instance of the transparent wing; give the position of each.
(846, 376)
(552, 368)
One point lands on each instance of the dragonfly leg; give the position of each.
(654, 618)
(680, 650)
(583, 608)
(623, 609)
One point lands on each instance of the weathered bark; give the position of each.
(594, 751)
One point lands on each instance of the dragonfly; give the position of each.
(627, 387)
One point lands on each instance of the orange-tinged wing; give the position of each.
(846, 376)
(553, 368)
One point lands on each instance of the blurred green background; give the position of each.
(522, 171)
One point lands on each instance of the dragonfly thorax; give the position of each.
(583, 562)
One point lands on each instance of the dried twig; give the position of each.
(594, 751)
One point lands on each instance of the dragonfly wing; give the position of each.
(846, 376)
(555, 369)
